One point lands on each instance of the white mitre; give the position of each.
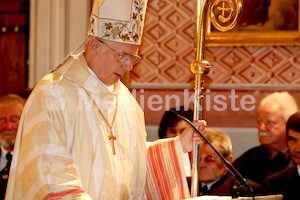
(118, 20)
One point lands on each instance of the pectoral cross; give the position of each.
(112, 138)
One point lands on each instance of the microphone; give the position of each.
(232, 170)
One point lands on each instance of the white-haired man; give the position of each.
(273, 153)
(11, 107)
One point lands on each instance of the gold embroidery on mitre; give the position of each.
(126, 31)
(91, 26)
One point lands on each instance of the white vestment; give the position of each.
(62, 147)
(63, 150)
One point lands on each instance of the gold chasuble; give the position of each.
(65, 149)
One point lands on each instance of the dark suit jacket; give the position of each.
(256, 165)
(285, 182)
(3, 180)
(225, 186)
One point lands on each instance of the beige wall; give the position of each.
(57, 27)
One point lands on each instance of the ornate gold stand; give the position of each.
(224, 15)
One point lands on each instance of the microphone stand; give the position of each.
(232, 170)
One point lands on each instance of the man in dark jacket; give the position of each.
(214, 176)
(287, 181)
(11, 107)
(272, 155)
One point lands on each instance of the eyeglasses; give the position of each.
(123, 57)
(267, 123)
(208, 160)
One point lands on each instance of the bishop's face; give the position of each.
(106, 64)
(211, 165)
(9, 120)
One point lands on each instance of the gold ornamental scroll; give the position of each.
(224, 15)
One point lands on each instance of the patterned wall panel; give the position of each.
(168, 48)
(255, 65)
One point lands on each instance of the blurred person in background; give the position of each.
(172, 126)
(11, 107)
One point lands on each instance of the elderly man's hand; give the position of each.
(189, 135)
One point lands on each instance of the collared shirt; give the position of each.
(3, 160)
(286, 152)
(110, 88)
(209, 185)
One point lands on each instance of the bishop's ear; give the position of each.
(94, 45)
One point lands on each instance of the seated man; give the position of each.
(11, 107)
(272, 155)
(287, 181)
(214, 176)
